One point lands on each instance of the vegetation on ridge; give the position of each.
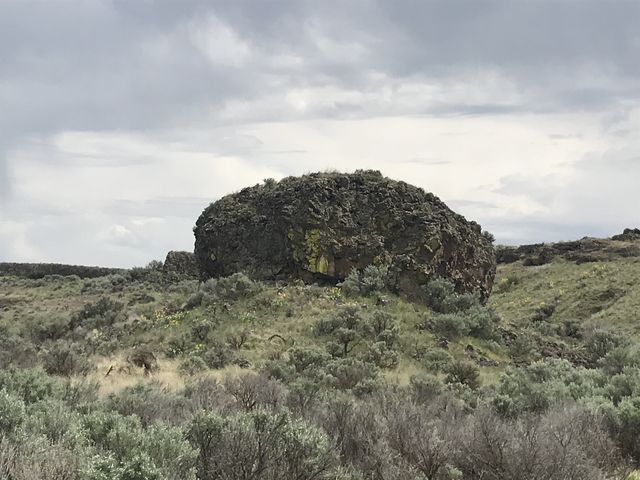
(128, 376)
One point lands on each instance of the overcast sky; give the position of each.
(121, 120)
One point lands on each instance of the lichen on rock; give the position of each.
(323, 225)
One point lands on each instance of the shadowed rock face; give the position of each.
(323, 225)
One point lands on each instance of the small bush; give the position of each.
(437, 291)
(426, 387)
(12, 411)
(507, 283)
(598, 342)
(192, 365)
(365, 282)
(65, 359)
(31, 385)
(450, 325)
(103, 313)
(353, 374)
(233, 287)
(381, 355)
(465, 373)
(437, 360)
(276, 446)
(218, 355)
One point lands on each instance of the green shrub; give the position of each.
(345, 329)
(65, 359)
(352, 374)
(437, 360)
(371, 279)
(234, 287)
(463, 372)
(450, 325)
(101, 467)
(12, 411)
(217, 355)
(171, 454)
(100, 314)
(42, 328)
(273, 446)
(425, 387)
(192, 365)
(437, 291)
(441, 297)
(201, 328)
(507, 283)
(478, 321)
(522, 346)
(538, 386)
(56, 422)
(598, 342)
(304, 358)
(380, 354)
(139, 467)
(131, 450)
(30, 385)
(619, 358)
(482, 322)
(149, 402)
(460, 302)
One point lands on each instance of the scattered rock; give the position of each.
(321, 226)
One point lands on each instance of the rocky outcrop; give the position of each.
(629, 235)
(180, 265)
(323, 225)
(584, 250)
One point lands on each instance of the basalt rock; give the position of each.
(629, 235)
(585, 250)
(323, 225)
(180, 265)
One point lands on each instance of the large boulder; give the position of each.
(180, 265)
(323, 225)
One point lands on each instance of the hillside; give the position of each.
(556, 338)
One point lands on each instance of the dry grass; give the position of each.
(123, 375)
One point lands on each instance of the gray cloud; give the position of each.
(123, 65)
(201, 74)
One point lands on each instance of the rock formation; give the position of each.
(585, 250)
(629, 235)
(180, 265)
(323, 225)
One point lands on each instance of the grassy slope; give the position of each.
(289, 312)
(606, 293)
